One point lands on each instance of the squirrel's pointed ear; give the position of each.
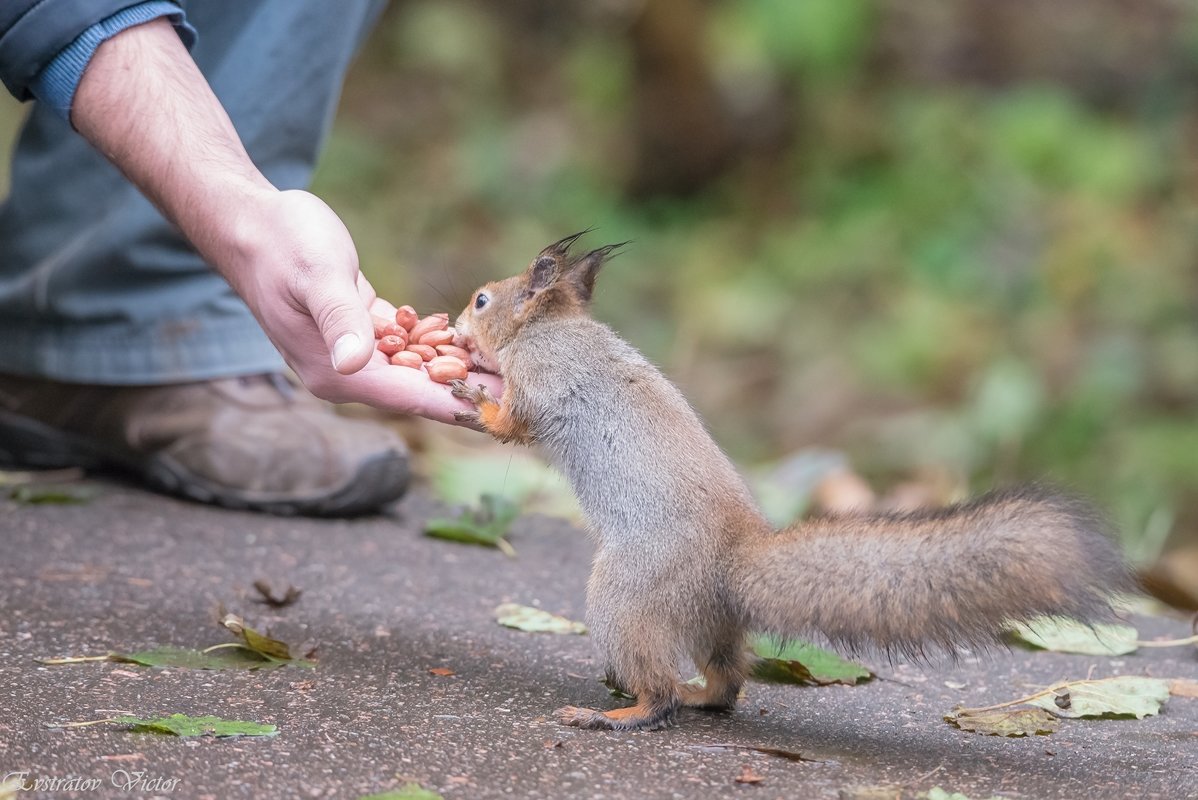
(542, 272)
(547, 267)
(582, 273)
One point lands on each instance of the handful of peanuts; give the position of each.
(410, 341)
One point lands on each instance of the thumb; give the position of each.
(348, 332)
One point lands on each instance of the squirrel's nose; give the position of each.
(461, 336)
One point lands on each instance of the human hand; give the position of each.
(286, 253)
(296, 267)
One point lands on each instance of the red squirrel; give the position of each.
(687, 565)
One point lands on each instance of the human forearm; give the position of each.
(145, 105)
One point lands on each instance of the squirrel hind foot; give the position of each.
(723, 676)
(707, 698)
(643, 716)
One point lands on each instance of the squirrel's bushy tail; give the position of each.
(932, 580)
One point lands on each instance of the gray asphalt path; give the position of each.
(130, 570)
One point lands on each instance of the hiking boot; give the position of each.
(255, 442)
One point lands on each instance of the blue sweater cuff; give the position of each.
(55, 85)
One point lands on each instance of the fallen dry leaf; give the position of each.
(1005, 722)
(1126, 695)
(1123, 696)
(264, 645)
(534, 620)
(443, 672)
(748, 776)
(789, 755)
(1183, 687)
(269, 598)
(870, 793)
(1064, 635)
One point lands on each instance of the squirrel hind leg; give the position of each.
(649, 714)
(723, 676)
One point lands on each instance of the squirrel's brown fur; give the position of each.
(687, 565)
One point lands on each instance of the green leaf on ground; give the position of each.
(235, 656)
(1004, 721)
(1063, 635)
(486, 525)
(225, 658)
(411, 791)
(534, 620)
(803, 663)
(517, 475)
(183, 725)
(1125, 696)
(52, 494)
(253, 651)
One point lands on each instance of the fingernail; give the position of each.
(346, 346)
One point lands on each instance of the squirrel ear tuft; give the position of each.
(583, 271)
(561, 247)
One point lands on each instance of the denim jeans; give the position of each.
(95, 286)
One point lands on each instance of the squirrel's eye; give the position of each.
(481, 301)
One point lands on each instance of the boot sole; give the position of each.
(27, 443)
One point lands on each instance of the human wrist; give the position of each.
(229, 225)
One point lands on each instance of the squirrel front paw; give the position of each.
(479, 395)
(468, 418)
(489, 414)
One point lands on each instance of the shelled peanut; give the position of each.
(410, 341)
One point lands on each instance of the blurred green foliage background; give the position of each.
(958, 241)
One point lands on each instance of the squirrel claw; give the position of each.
(579, 717)
(475, 394)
